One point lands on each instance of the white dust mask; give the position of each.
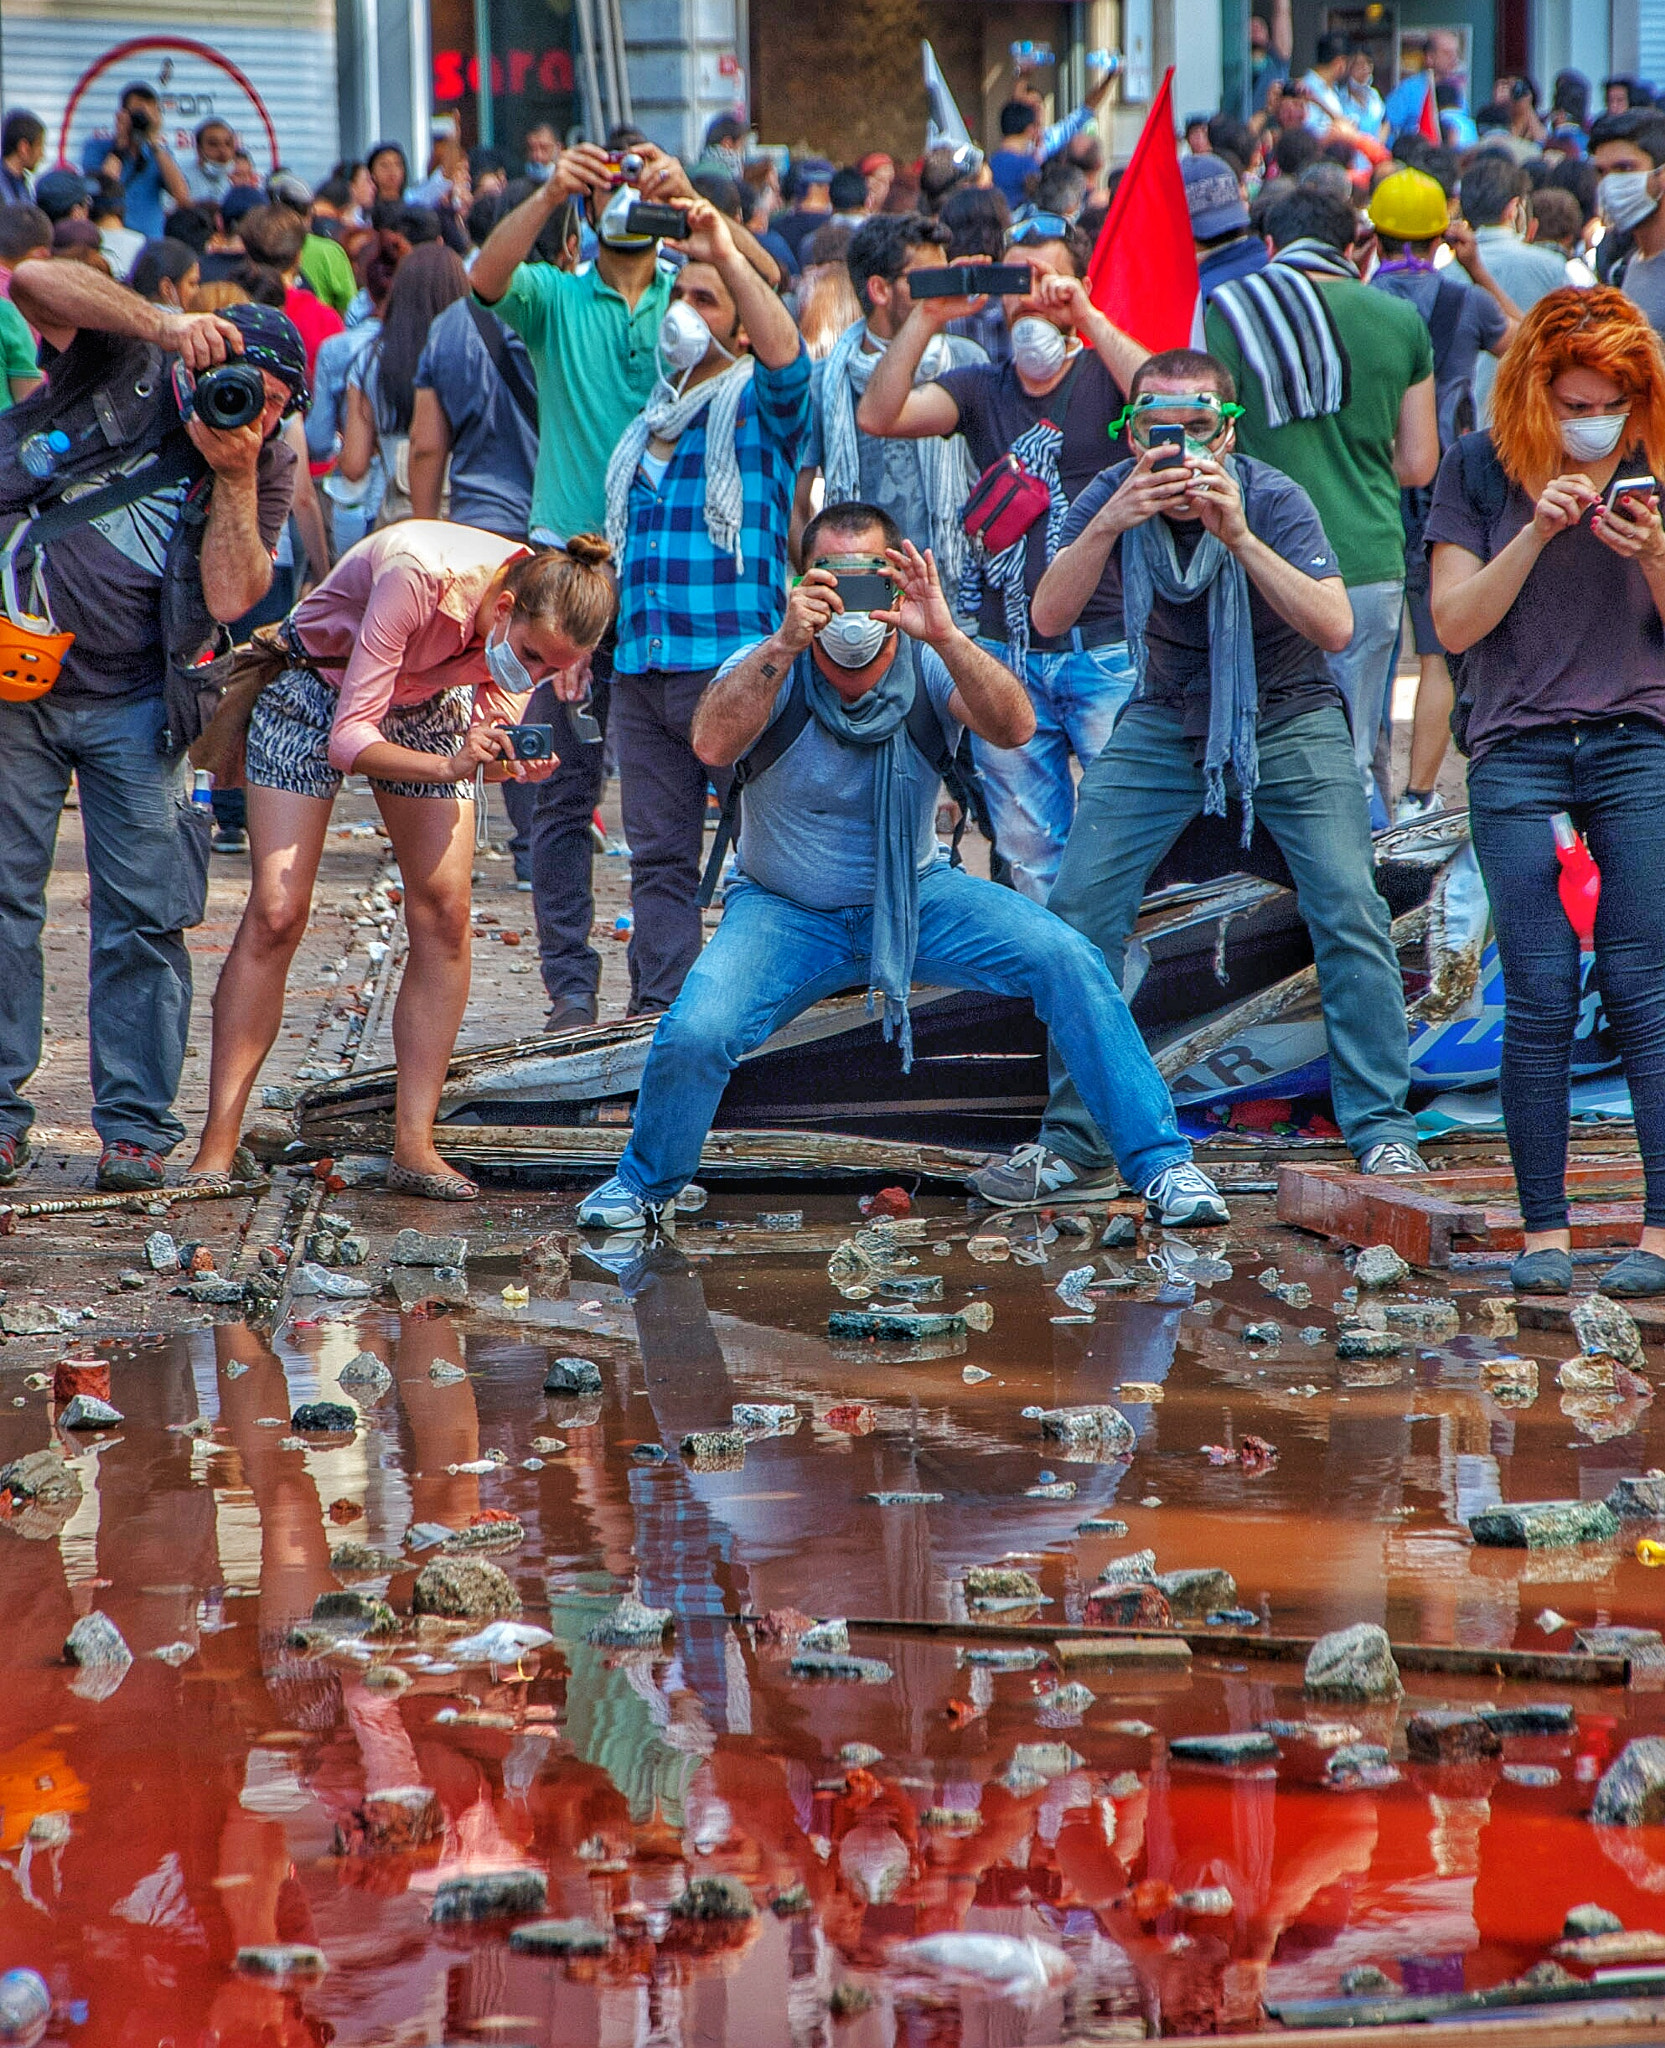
(852, 639)
(1038, 348)
(1625, 200)
(684, 338)
(1596, 435)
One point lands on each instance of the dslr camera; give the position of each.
(229, 395)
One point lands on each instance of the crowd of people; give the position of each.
(726, 477)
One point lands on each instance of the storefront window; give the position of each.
(502, 67)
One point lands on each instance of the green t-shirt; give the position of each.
(325, 267)
(1344, 462)
(17, 351)
(596, 362)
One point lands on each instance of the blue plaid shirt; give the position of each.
(682, 604)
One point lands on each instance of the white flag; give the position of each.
(943, 124)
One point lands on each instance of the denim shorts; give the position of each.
(289, 737)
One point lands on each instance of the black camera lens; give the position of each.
(229, 395)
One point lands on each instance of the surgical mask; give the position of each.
(852, 639)
(611, 226)
(1038, 348)
(684, 338)
(1596, 435)
(1625, 200)
(506, 668)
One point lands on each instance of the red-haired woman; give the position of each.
(1552, 583)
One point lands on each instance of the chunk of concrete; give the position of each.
(420, 1248)
(1196, 1593)
(1446, 1735)
(1369, 1344)
(1632, 1790)
(1379, 1265)
(559, 1938)
(324, 1418)
(631, 1626)
(1353, 1664)
(86, 1411)
(489, 1895)
(1543, 1524)
(573, 1376)
(466, 1589)
(1539, 1717)
(96, 1647)
(1100, 1430)
(1601, 1324)
(1251, 1747)
(1639, 1500)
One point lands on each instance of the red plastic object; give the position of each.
(887, 1202)
(1580, 883)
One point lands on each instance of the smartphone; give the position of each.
(645, 218)
(1630, 487)
(863, 590)
(968, 280)
(531, 742)
(1170, 438)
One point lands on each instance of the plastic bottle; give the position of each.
(1580, 883)
(202, 788)
(41, 453)
(25, 2008)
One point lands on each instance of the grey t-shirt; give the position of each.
(1644, 285)
(889, 469)
(806, 828)
(1480, 327)
(493, 449)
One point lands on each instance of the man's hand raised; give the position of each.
(1144, 492)
(709, 238)
(813, 600)
(921, 611)
(200, 340)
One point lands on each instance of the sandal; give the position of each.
(430, 1187)
(243, 1177)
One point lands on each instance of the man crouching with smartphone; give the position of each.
(1231, 598)
(842, 884)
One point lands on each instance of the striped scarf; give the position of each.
(1287, 334)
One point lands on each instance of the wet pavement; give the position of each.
(221, 1797)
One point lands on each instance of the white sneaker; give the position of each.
(1182, 1197)
(613, 1206)
(1033, 1177)
(1393, 1155)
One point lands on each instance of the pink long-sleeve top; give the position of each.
(397, 615)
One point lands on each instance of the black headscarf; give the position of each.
(272, 341)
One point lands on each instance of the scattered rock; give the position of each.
(1251, 1747)
(1192, 1594)
(359, 1557)
(1379, 1265)
(1136, 1569)
(1639, 1500)
(1074, 1698)
(559, 1938)
(1583, 1923)
(1543, 1717)
(29, 1319)
(488, 1894)
(1609, 1951)
(1359, 1763)
(85, 1411)
(132, 1280)
(1263, 1333)
(281, 1959)
(1645, 1647)
(161, 1253)
(913, 1287)
(444, 1374)
(974, 1375)
(1424, 1318)
(1353, 1664)
(1600, 1324)
(1136, 1606)
(905, 1499)
(851, 1418)
(1444, 1735)
(1101, 1431)
(219, 1293)
(95, 1646)
(1369, 1344)
(714, 1450)
(548, 1257)
(419, 1248)
(840, 1664)
(893, 1326)
(1495, 1316)
(425, 1287)
(631, 1626)
(860, 1756)
(1105, 1525)
(503, 1532)
(1513, 1382)
(833, 1634)
(979, 1316)
(715, 1898)
(1632, 1791)
(324, 1418)
(765, 1418)
(1589, 1373)
(363, 1613)
(1141, 1393)
(573, 1376)
(1543, 1524)
(1120, 1233)
(1000, 1582)
(465, 1588)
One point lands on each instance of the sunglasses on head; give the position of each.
(1039, 227)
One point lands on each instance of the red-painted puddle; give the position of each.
(196, 1810)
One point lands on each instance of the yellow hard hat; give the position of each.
(1410, 206)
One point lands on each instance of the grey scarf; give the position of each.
(669, 413)
(879, 719)
(945, 472)
(1150, 569)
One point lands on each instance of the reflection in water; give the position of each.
(226, 1796)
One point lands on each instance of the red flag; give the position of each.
(1143, 276)
(1428, 123)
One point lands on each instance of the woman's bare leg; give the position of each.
(433, 840)
(286, 839)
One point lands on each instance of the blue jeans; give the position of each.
(769, 959)
(1363, 670)
(1610, 775)
(1030, 790)
(147, 864)
(1137, 798)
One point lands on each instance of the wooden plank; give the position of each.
(1551, 2020)
(1360, 1209)
(803, 1155)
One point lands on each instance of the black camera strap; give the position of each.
(178, 460)
(514, 377)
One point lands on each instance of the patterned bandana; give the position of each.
(272, 341)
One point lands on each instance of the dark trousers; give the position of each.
(662, 786)
(1610, 775)
(560, 851)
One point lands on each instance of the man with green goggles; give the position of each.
(1220, 573)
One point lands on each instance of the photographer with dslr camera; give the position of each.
(132, 596)
(136, 158)
(838, 725)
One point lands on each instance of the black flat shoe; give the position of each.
(1545, 1272)
(1637, 1274)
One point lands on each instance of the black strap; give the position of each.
(924, 730)
(495, 341)
(179, 461)
(1485, 481)
(1444, 317)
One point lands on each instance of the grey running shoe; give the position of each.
(1033, 1178)
(1183, 1197)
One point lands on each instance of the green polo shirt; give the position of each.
(596, 362)
(325, 267)
(17, 351)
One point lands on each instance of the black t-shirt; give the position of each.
(994, 410)
(105, 578)
(1582, 640)
(1292, 673)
